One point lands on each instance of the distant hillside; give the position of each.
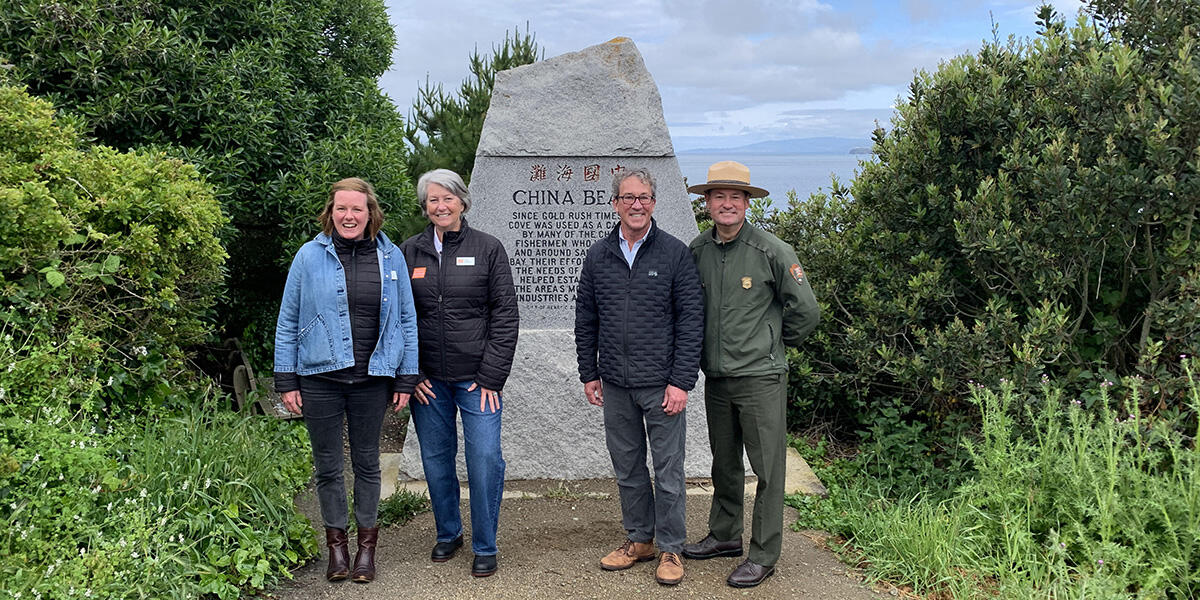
(816, 145)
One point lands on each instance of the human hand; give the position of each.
(400, 400)
(594, 392)
(292, 401)
(674, 400)
(486, 397)
(424, 391)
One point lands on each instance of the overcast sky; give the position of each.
(730, 72)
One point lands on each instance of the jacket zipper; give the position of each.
(720, 303)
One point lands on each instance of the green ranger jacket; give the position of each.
(756, 300)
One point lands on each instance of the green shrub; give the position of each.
(109, 262)
(1095, 502)
(200, 504)
(1030, 212)
(249, 90)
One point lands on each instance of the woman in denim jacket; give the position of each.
(347, 328)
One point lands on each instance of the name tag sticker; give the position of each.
(394, 278)
(465, 261)
(419, 273)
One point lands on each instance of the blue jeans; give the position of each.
(435, 423)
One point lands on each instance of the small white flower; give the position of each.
(207, 482)
(110, 381)
(37, 457)
(143, 494)
(140, 350)
(133, 554)
(11, 366)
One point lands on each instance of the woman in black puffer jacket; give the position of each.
(467, 322)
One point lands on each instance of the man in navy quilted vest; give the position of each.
(639, 318)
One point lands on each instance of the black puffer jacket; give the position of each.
(646, 324)
(466, 307)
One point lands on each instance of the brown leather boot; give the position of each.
(339, 554)
(364, 561)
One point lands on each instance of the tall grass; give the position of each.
(1063, 502)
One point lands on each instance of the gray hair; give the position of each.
(447, 179)
(641, 173)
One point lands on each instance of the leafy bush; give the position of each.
(109, 261)
(198, 504)
(1030, 212)
(251, 91)
(1097, 503)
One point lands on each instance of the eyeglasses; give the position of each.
(629, 199)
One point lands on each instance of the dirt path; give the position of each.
(550, 547)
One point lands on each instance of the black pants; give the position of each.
(361, 406)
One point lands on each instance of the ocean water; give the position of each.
(778, 173)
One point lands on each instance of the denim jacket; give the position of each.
(312, 334)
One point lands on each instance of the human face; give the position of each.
(635, 218)
(728, 207)
(443, 208)
(350, 214)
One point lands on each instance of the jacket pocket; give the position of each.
(316, 345)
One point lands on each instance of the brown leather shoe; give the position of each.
(749, 574)
(364, 561)
(711, 547)
(629, 553)
(339, 554)
(670, 569)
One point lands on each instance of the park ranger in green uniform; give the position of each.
(756, 301)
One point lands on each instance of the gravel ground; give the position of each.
(550, 547)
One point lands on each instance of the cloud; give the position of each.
(721, 65)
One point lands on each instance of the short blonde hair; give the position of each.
(374, 212)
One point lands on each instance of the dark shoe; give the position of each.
(339, 554)
(749, 574)
(444, 551)
(364, 561)
(710, 547)
(483, 565)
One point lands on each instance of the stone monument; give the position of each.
(555, 134)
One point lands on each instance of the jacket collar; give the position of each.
(614, 236)
(742, 234)
(425, 240)
(381, 241)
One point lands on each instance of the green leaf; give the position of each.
(112, 263)
(55, 278)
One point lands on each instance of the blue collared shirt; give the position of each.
(631, 253)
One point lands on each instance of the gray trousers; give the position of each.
(631, 415)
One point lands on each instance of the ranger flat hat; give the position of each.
(731, 175)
